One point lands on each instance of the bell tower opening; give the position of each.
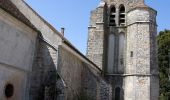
(112, 16)
(121, 15)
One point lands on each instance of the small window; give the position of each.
(112, 16)
(121, 15)
(131, 54)
(9, 90)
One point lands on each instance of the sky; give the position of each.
(74, 15)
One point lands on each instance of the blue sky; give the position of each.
(74, 15)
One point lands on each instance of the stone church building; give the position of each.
(38, 63)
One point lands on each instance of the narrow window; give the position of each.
(131, 54)
(117, 93)
(122, 15)
(9, 90)
(112, 16)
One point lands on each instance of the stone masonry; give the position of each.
(38, 63)
(122, 42)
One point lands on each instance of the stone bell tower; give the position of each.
(122, 42)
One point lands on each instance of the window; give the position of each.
(112, 16)
(121, 15)
(131, 54)
(9, 90)
(117, 93)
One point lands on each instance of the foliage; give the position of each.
(163, 40)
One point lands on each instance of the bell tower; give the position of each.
(122, 42)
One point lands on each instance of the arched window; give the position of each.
(112, 16)
(117, 93)
(121, 15)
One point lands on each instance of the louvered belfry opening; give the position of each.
(122, 15)
(112, 16)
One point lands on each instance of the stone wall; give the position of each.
(17, 47)
(43, 76)
(30, 62)
(49, 33)
(140, 56)
(65, 74)
(96, 38)
(83, 81)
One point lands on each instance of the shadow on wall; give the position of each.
(80, 80)
(43, 80)
(83, 81)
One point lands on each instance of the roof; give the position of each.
(9, 7)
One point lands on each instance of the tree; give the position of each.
(163, 40)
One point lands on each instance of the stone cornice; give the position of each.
(124, 75)
(140, 22)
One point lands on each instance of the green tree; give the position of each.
(163, 40)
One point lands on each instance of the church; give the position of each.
(38, 63)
